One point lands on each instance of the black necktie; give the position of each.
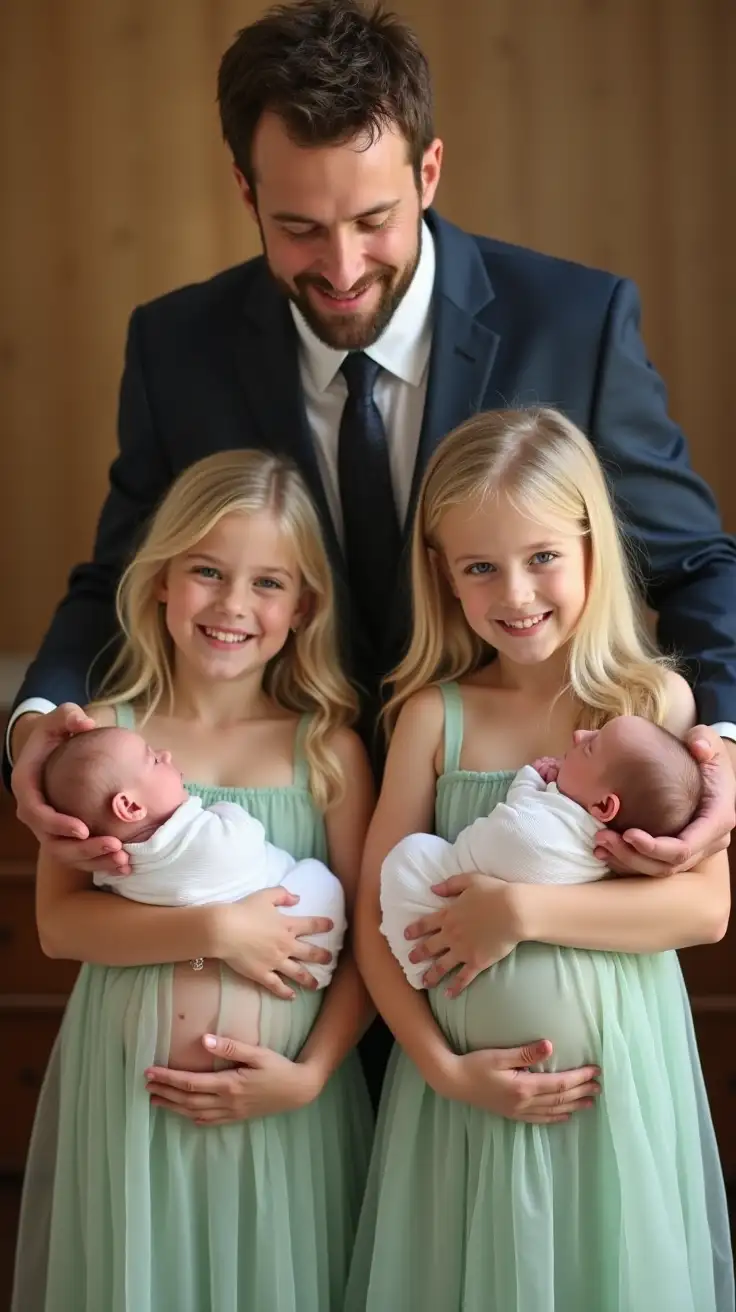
(370, 522)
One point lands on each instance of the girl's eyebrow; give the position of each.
(203, 555)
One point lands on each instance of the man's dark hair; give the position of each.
(332, 70)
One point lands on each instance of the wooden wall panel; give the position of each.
(600, 130)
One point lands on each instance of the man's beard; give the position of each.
(351, 332)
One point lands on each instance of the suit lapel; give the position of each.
(463, 348)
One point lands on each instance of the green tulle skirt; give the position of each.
(129, 1208)
(620, 1209)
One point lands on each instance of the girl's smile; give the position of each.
(232, 599)
(520, 581)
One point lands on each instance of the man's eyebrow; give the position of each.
(286, 216)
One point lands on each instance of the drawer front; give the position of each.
(23, 966)
(717, 1044)
(27, 1036)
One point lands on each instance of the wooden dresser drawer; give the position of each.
(28, 1027)
(23, 966)
(716, 1031)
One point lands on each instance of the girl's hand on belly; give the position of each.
(479, 927)
(263, 1083)
(498, 1080)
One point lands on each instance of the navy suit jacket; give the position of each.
(214, 366)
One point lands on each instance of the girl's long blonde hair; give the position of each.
(548, 470)
(306, 675)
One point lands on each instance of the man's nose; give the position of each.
(344, 264)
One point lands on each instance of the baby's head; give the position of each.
(631, 774)
(114, 782)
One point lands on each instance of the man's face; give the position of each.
(341, 226)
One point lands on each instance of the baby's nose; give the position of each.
(165, 758)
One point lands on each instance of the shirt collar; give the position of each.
(404, 345)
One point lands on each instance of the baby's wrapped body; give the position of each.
(219, 854)
(536, 836)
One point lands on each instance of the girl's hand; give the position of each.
(498, 1080)
(257, 941)
(637, 853)
(547, 767)
(263, 1083)
(479, 927)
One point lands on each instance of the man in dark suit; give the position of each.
(367, 330)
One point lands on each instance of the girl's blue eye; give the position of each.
(268, 583)
(479, 568)
(543, 557)
(207, 571)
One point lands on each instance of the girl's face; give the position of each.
(521, 582)
(232, 599)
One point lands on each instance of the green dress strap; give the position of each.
(124, 716)
(452, 697)
(301, 764)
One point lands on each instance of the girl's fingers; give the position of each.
(581, 1093)
(198, 1102)
(428, 924)
(438, 970)
(464, 976)
(309, 925)
(300, 951)
(299, 975)
(430, 949)
(276, 985)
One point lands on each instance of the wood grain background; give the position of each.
(600, 130)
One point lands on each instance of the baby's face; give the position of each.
(587, 769)
(148, 775)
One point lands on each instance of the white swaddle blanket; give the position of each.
(219, 853)
(536, 836)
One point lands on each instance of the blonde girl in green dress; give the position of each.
(134, 1202)
(490, 1189)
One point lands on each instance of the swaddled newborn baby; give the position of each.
(630, 774)
(185, 854)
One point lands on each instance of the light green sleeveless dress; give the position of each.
(620, 1209)
(130, 1208)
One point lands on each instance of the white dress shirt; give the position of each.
(402, 351)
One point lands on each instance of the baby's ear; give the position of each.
(125, 808)
(606, 810)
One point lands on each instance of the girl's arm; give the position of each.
(631, 915)
(80, 923)
(346, 1011)
(405, 806)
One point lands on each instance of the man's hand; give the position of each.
(637, 853)
(66, 839)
